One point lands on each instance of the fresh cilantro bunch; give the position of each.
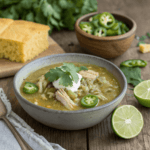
(66, 73)
(133, 74)
(57, 14)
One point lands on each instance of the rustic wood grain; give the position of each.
(101, 136)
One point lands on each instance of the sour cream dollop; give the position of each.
(72, 88)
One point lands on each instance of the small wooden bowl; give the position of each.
(109, 46)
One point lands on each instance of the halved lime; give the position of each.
(127, 122)
(142, 93)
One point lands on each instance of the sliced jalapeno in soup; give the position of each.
(87, 27)
(134, 63)
(89, 101)
(101, 32)
(106, 20)
(30, 88)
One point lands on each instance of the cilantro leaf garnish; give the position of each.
(81, 68)
(54, 74)
(70, 68)
(66, 73)
(133, 75)
(65, 80)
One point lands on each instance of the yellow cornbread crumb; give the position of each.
(144, 48)
(22, 40)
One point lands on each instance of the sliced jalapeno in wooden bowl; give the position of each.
(89, 101)
(87, 27)
(30, 88)
(134, 63)
(107, 20)
(101, 32)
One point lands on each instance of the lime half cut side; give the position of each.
(142, 93)
(127, 121)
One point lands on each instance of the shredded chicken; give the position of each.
(90, 74)
(103, 81)
(101, 97)
(42, 83)
(51, 94)
(62, 96)
(43, 96)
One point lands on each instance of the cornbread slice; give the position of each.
(144, 48)
(23, 40)
(4, 23)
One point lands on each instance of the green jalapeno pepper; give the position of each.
(101, 32)
(124, 27)
(95, 17)
(89, 101)
(106, 20)
(134, 63)
(111, 32)
(95, 23)
(123, 31)
(115, 26)
(30, 88)
(87, 27)
(118, 31)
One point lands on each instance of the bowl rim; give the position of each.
(107, 38)
(75, 111)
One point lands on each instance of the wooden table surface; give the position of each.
(101, 136)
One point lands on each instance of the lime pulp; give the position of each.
(142, 93)
(127, 121)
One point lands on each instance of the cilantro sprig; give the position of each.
(66, 73)
(57, 14)
(133, 74)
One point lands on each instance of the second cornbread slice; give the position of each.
(23, 40)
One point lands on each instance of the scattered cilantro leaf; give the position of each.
(142, 38)
(141, 42)
(148, 34)
(66, 73)
(133, 75)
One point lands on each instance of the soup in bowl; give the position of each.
(70, 91)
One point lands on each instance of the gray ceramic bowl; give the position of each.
(69, 120)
